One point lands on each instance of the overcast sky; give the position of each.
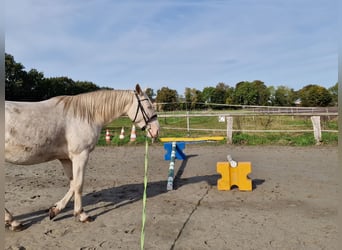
(177, 43)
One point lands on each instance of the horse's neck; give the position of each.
(116, 107)
(99, 108)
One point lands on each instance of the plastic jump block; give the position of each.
(180, 146)
(234, 176)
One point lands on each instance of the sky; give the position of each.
(176, 43)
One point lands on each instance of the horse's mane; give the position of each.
(97, 106)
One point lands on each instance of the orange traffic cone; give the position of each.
(107, 136)
(122, 134)
(133, 134)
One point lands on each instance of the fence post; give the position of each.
(316, 122)
(229, 129)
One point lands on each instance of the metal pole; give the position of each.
(172, 167)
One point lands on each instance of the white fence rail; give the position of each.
(229, 119)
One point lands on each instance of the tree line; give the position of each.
(247, 93)
(21, 85)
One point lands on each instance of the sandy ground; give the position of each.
(293, 204)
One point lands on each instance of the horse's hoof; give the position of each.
(18, 228)
(53, 211)
(88, 219)
(15, 226)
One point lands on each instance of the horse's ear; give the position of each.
(138, 89)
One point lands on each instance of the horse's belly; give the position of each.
(27, 155)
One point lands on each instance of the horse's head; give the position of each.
(143, 114)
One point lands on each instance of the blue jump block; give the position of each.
(180, 146)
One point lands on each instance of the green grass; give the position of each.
(115, 133)
(239, 138)
(304, 139)
(284, 139)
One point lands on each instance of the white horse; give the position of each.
(67, 128)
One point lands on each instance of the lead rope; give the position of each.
(142, 236)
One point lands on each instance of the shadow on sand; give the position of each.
(116, 197)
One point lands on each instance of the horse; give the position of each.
(67, 128)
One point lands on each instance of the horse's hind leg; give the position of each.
(67, 165)
(11, 223)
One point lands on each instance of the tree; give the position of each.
(188, 98)
(251, 93)
(221, 94)
(244, 94)
(315, 96)
(230, 95)
(207, 94)
(14, 78)
(150, 93)
(33, 86)
(283, 96)
(167, 99)
(193, 98)
(55, 86)
(271, 98)
(262, 92)
(79, 87)
(240, 94)
(334, 94)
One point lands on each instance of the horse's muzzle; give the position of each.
(152, 129)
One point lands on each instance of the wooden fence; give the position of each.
(315, 115)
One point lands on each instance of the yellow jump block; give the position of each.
(234, 176)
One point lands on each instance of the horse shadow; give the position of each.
(116, 197)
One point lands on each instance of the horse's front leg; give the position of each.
(79, 162)
(11, 223)
(67, 165)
